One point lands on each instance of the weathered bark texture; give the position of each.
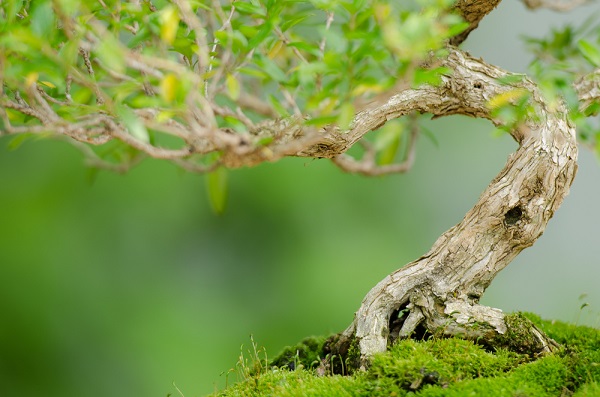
(440, 291)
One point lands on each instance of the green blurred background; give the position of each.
(123, 286)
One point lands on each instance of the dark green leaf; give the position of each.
(592, 110)
(265, 30)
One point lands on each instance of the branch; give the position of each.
(473, 12)
(368, 165)
(588, 89)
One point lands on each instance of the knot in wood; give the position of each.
(513, 215)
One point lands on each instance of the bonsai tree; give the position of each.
(211, 86)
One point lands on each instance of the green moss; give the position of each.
(307, 353)
(518, 337)
(445, 367)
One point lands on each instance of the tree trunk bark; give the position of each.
(439, 292)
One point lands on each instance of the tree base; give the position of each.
(443, 366)
(521, 336)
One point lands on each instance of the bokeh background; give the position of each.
(131, 285)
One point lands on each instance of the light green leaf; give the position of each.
(18, 140)
(216, 183)
(233, 87)
(510, 79)
(247, 8)
(279, 108)
(265, 30)
(134, 125)
(271, 68)
(429, 76)
(388, 142)
(43, 19)
(589, 52)
(346, 116)
(110, 53)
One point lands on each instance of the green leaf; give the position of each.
(292, 21)
(110, 53)
(264, 141)
(321, 121)
(134, 125)
(271, 69)
(279, 108)
(247, 8)
(11, 11)
(261, 35)
(429, 76)
(388, 142)
(312, 49)
(216, 183)
(43, 20)
(589, 52)
(510, 79)
(458, 28)
(346, 116)
(18, 140)
(233, 87)
(592, 110)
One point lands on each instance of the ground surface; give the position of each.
(435, 367)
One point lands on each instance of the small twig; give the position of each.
(25, 109)
(88, 64)
(252, 102)
(226, 26)
(322, 44)
(68, 82)
(555, 5)
(153, 151)
(368, 165)
(93, 160)
(49, 98)
(328, 22)
(42, 104)
(8, 129)
(194, 23)
(292, 102)
(285, 41)
(20, 99)
(151, 6)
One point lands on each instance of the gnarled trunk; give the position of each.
(440, 291)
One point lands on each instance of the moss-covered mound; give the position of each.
(438, 367)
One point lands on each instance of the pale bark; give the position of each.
(440, 291)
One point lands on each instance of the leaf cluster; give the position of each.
(566, 64)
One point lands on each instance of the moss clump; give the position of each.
(519, 336)
(445, 367)
(308, 354)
